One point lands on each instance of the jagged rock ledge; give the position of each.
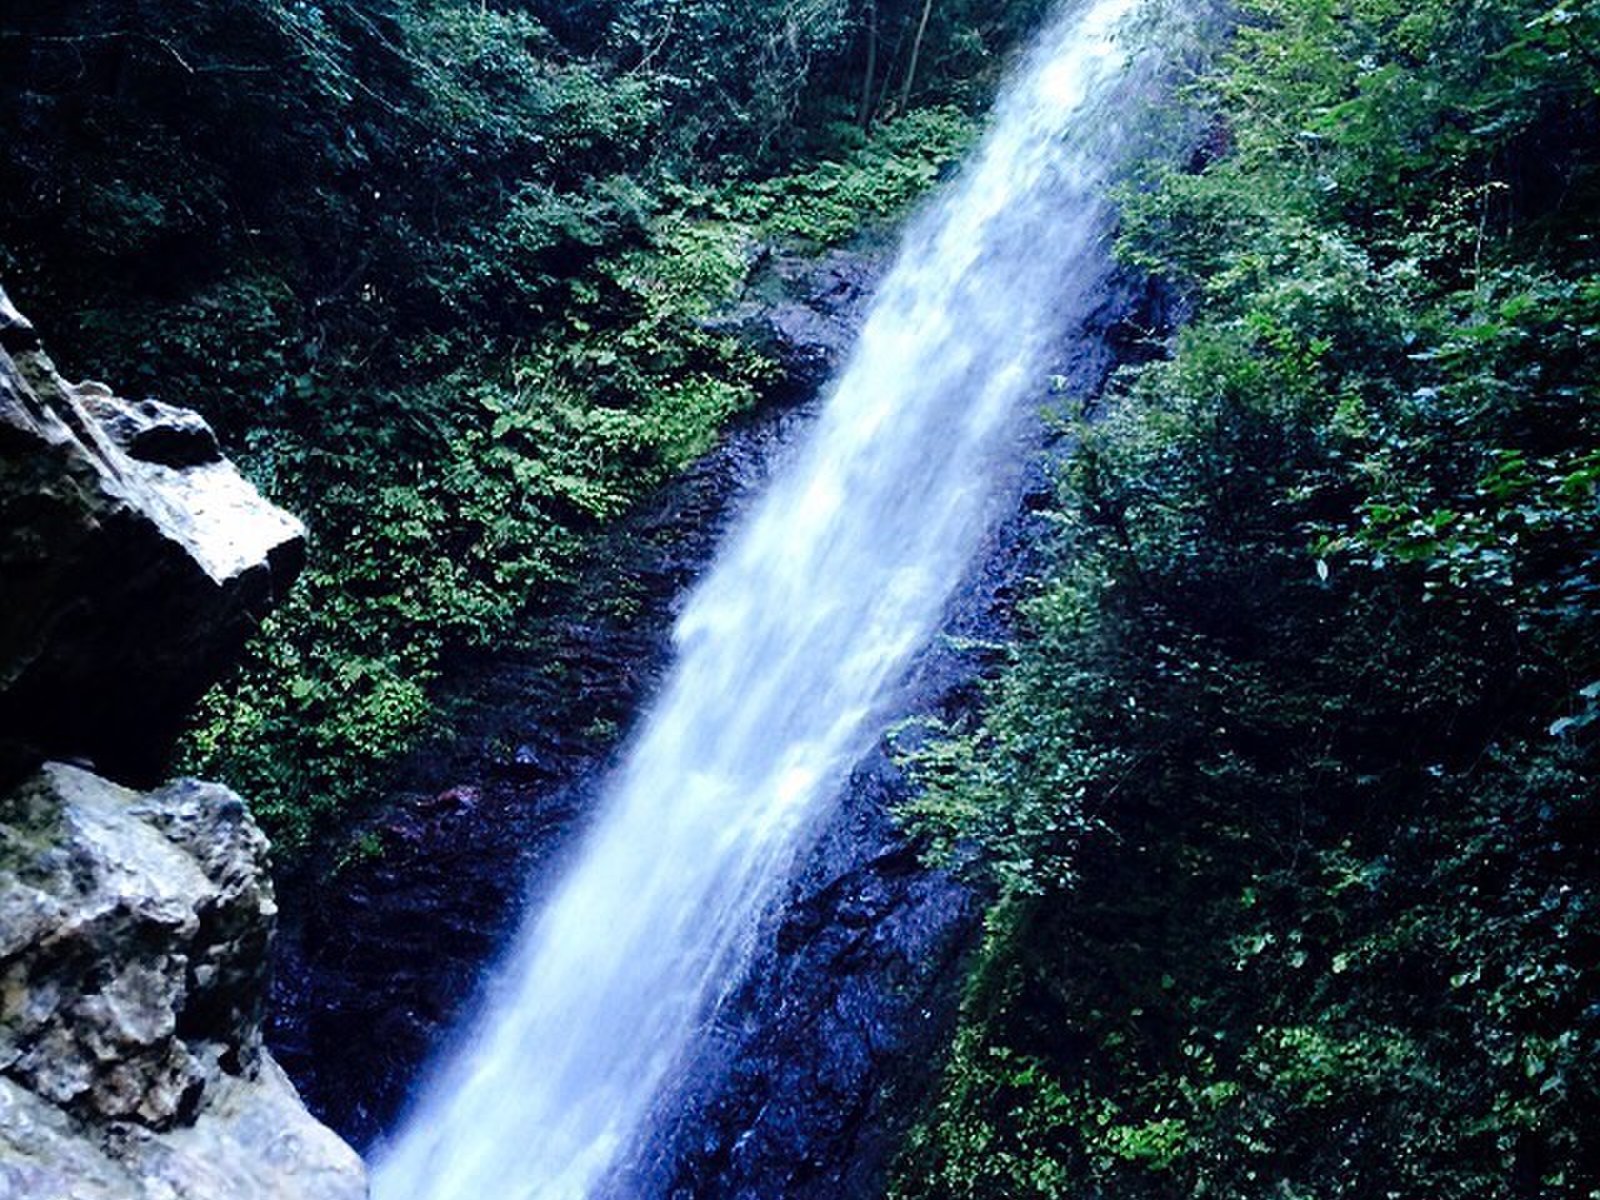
(135, 928)
(134, 562)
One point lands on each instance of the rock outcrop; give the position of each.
(134, 932)
(134, 561)
(803, 313)
(135, 928)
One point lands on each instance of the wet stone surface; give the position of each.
(816, 1062)
(376, 965)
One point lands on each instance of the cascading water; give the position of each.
(786, 656)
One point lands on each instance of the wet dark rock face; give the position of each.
(813, 1066)
(823, 1058)
(377, 965)
(818, 1061)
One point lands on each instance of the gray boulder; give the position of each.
(134, 561)
(134, 932)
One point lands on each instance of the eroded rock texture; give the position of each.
(134, 932)
(134, 561)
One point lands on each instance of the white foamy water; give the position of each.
(786, 657)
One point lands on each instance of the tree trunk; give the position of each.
(867, 110)
(916, 53)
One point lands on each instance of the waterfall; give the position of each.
(787, 655)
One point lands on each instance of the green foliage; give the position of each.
(877, 180)
(416, 557)
(1288, 791)
(441, 274)
(751, 79)
(447, 511)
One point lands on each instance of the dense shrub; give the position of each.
(1289, 790)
